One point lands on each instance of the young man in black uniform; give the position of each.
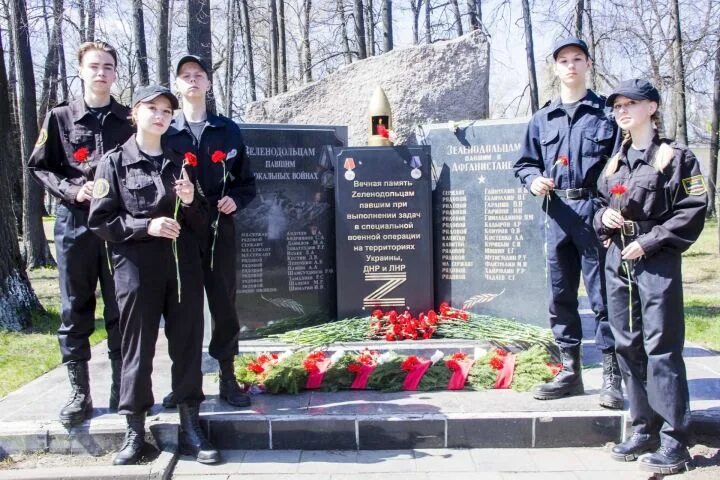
(73, 138)
(566, 146)
(227, 183)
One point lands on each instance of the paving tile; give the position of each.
(540, 476)
(599, 459)
(380, 476)
(293, 476)
(635, 474)
(274, 461)
(395, 461)
(555, 459)
(328, 461)
(231, 461)
(443, 460)
(465, 476)
(503, 460)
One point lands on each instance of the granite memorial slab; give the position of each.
(488, 230)
(383, 229)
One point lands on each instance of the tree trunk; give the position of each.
(579, 10)
(343, 31)
(415, 7)
(679, 75)
(458, 17)
(428, 22)
(82, 23)
(714, 138)
(91, 20)
(199, 40)
(530, 55)
(360, 29)
(16, 180)
(163, 53)
(306, 42)
(248, 48)
(591, 43)
(35, 246)
(387, 26)
(370, 27)
(47, 99)
(283, 46)
(230, 64)
(17, 298)
(473, 18)
(274, 53)
(140, 45)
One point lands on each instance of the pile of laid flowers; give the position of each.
(446, 322)
(293, 372)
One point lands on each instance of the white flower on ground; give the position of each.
(479, 352)
(337, 355)
(437, 356)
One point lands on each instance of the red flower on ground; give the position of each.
(389, 337)
(452, 365)
(310, 365)
(218, 156)
(410, 363)
(432, 317)
(618, 189)
(255, 368)
(81, 154)
(497, 363)
(459, 356)
(501, 353)
(354, 368)
(378, 314)
(190, 159)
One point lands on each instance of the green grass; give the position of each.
(702, 322)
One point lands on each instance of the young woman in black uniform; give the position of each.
(144, 202)
(655, 199)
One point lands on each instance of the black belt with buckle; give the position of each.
(576, 193)
(635, 229)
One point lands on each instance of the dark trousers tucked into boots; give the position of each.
(147, 289)
(568, 381)
(192, 439)
(79, 405)
(650, 353)
(132, 448)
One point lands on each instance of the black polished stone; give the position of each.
(489, 433)
(383, 230)
(234, 434)
(400, 434)
(489, 230)
(314, 434)
(285, 236)
(577, 431)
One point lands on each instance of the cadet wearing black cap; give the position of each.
(565, 148)
(655, 200)
(144, 202)
(73, 138)
(225, 178)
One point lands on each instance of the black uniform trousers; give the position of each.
(146, 286)
(650, 355)
(220, 280)
(573, 247)
(82, 260)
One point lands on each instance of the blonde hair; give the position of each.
(96, 45)
(663, 155)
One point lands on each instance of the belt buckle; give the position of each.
(574, 193)
(628, 228)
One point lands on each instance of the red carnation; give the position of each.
(497, 363)
(377, 314)
(81, 154)
(311, 366)
(459, 356)
(256, 368)
(354, 368)
(190, 159)
(453, 365)
(389, 337)
(218, 156)
(562, 160)
(618, 189)
(410, 363)
(432, 317)
(501, 353)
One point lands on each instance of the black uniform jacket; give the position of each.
(131, 190)
(669, 206)
(223, 135)
(72, 141)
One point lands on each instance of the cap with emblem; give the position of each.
(149, 93)
(570, 42)
(191, 59)
(635, 89)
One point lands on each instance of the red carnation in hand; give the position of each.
(81, 154)
(190, 159)
(618, 189)
(562, 160)
(218, 156)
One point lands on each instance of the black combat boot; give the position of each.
(666, 461)
(79, 404)
(116, 366)
(633, 447)
(132, 449)
(568, 381)
(192, 439)
(611, 395)
(229, 388)
(169, 401)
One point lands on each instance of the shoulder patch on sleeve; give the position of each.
(42, 138)
(694, 185)
(101, 188)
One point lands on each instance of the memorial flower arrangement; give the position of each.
(218, 156)
(189, 160)
(390, 372)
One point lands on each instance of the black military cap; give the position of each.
(193, 59)
(149, 93)
(570, 42)
(635, 89)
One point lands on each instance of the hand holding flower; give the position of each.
(164, 227)
(632, 251)
(611, 218)
(184, 188)
(85, 192)
(226, 205)
(541, 186)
